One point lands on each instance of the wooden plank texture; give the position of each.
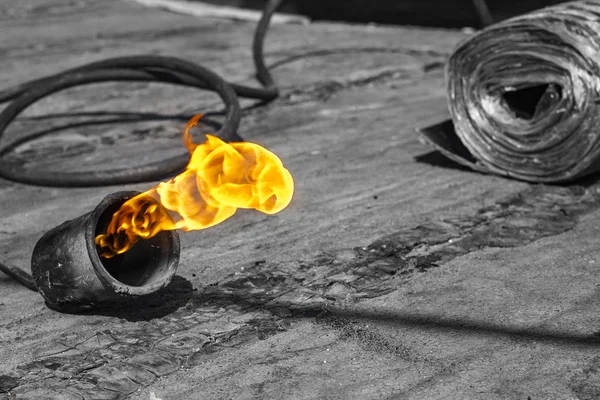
(393, 273)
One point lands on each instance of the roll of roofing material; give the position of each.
(523, 96)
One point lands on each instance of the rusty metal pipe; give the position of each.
(71, 276)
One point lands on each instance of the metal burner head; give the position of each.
(71, 276)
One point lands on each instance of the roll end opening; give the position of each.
(531, 101)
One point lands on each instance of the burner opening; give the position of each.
(146, 263)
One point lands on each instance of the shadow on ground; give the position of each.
(345, 318)
(151, 306)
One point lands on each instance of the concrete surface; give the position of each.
(393, 274)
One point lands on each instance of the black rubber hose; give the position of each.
(133, 68)
(18, 275)
(137, 68)
(143, 173)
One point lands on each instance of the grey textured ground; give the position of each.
(393, 273)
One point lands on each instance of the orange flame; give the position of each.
(220, 178)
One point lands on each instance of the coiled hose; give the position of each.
(134, 68)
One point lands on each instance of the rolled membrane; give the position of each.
(523, 96)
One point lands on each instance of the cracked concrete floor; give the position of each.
(496, 323)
